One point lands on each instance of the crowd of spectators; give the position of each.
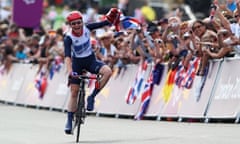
(167, 40)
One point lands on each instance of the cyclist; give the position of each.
(79, 56)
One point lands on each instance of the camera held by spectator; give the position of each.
(186, 35)
(159, 41)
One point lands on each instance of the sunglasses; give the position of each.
(76, 22)
(196, 27)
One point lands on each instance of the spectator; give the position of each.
(33, 44)
(20, 52)
(124, 52)
(143, 45)
(171, 36)
(107, 50)
(8, 55)
(186, 38)
(207, 40)
(133, 54)
(229, 28)
(13, 32)
(228, 44)
(52, 14)
(43, 56)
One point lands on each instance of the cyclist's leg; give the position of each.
(106, 73)
(72, 102)
(72, 106)
(98, 67)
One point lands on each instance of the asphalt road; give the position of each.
(20, 125)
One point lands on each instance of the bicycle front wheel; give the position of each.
(80, 115)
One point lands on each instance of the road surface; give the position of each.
(20, 125)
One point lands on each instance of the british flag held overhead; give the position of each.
(128, 22)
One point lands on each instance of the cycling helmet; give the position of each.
(74, 15)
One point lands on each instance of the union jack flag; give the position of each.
(185, 76)
(55, 66)
(146, 96)
(41, 84)
(136, 88)
(191, 72)
(128, 22)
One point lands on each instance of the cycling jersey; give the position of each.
(79, 49)
(79, 46)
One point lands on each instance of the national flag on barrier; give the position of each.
(158, 73)
(185, 76)
(55, 66)
(191, 72)
(128, 22)
(135, 90)
(200, 82)
(146, 97)
(41, 84)
(180, 73)
(169, 84)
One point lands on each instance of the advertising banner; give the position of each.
(4, 84)
(225, 102)
(190, 100)
(57, 91)
(194, 107)
(16, 78)
(28, 94)
(27, 13)
(112, 99)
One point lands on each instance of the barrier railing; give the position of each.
(220, 96)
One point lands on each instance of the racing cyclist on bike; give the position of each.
(79, 56)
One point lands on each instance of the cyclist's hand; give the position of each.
(71, 77)
(112, 15)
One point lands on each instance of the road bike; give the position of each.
(80, 114)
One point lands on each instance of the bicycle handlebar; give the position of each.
(94, 77)
(85, 77)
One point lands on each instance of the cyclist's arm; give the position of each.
(97, 25)
(67, 52)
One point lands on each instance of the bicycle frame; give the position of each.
(80, 114)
